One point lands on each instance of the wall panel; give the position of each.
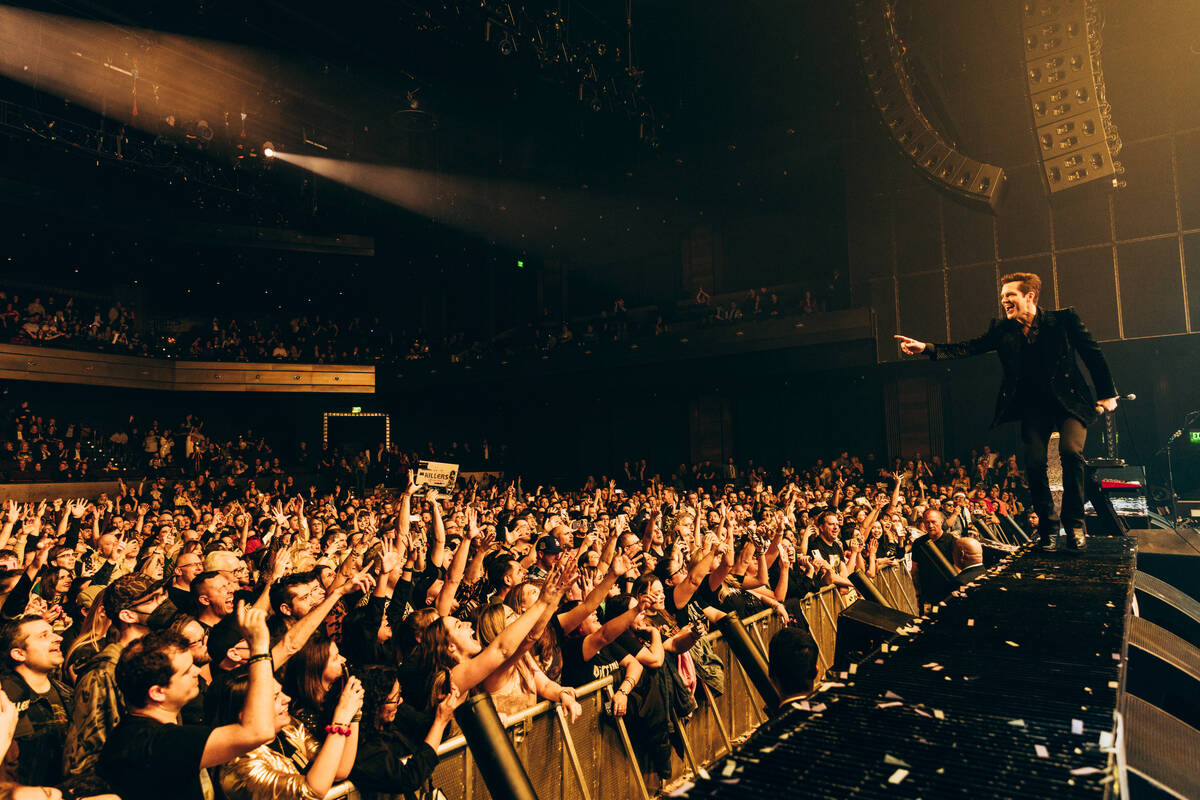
(1023, 226)
(923, 306)
(1146, 206)
(1151, 288)
(1086, 281)
(972, 300)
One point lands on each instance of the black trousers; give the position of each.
(1038, 421)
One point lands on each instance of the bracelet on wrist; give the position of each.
(258, 657)
(338, 730)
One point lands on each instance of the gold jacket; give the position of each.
(275, 771)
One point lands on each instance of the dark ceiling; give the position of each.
(731, 110)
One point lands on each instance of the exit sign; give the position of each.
(1195, 436)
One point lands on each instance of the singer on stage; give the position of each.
(1043, 389)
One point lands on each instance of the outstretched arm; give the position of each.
(971, 347)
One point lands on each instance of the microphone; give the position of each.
(1130, 396)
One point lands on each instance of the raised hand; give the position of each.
(446, 708)
(350, 702)
(283, 564)
(363, 581)
(13, 511)
(252, 622)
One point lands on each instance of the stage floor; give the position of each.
(1009, 690)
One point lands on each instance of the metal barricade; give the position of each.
(592, 759)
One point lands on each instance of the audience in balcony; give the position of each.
(76, 322)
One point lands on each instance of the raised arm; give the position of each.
(570, 620)
(698, 571)
(307, 625)
(445, 597)
(439, 527)
(257, 725)
(609, 632)
(466, 675)
(335, 759)
(971, 347)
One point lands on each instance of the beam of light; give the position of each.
(137, 76)
(537, 219)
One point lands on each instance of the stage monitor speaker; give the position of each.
(863, 627)
(935, 576)
(1172, 556)
(1164, 670)
(993, 554)
(1161, 752)
(1167, 607)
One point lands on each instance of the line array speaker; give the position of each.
(890, 84)
(1076, 137)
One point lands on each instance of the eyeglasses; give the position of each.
(203, 638)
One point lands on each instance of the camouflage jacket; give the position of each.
(95, 712)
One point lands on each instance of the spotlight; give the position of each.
(507, 46)
(268, 150)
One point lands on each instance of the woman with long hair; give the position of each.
(519, 682)
(310, 677)
(295, 765)
(389, 761)
(93, 637)
(449, 645)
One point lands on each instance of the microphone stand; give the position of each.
(1170, 446)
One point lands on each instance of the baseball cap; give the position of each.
(549, 545)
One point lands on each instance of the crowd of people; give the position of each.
(74, 322)
(71, 323)
(38, 448)
(281, 642)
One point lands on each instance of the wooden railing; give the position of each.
(19, 362)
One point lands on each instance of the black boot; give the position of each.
(1046, 539)
(1078, 539)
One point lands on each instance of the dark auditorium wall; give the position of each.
(1128, 259)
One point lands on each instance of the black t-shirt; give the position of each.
(799, 584)
(145, 759)
(833, 553)
(577, 671)
(181, 599)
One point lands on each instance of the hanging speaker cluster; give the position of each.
(1076, 138)
(891, 89)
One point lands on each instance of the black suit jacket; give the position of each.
(1061, 334)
